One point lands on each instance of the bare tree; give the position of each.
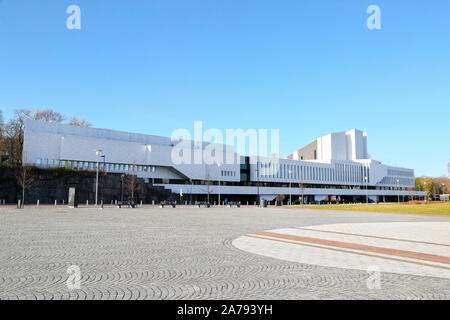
(2, 123)
(2, 129)
(49, 115)
(74, 121)
(12, 133)
(25, 177)
(131, 183)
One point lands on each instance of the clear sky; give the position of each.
(305, 67)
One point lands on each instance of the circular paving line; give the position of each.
(416, 248)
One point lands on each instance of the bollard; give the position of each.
(87, 202)
(37, 204)
(56, 201)
(153, 202)
(141, 202)
(63, 201)
(18, 204)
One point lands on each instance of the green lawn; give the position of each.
(433, 208)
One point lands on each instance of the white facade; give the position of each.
(342, 167)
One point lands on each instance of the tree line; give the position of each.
(12, 136)
(12, 131)
(433, 186)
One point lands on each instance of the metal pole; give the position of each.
(257, 183)
(218, 165)
(290, 191)
(367, 186)
(192, 184)
(290, 194)
(121, 195)
(97, 152)
(398, 192)
(103, 176)
(425, 187)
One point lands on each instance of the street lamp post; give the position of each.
(367, 186)
(192, 185)
(443, 191)
(398, 191)
(103, 177)
(257, 184)
(97, 152)
(121, 194)
(290, 190)
(425, 187)
(219, 165)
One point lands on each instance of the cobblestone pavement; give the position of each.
(181, 253)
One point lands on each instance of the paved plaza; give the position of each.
(205, 253)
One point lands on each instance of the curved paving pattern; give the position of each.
(417, 248)
(181, 253)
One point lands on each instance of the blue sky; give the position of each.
(305, 67)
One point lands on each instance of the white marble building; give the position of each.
(335, 166)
